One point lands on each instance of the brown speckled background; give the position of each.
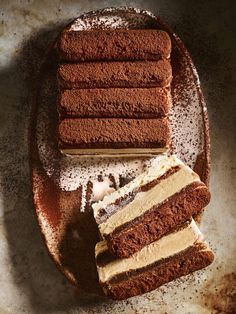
(29, 281)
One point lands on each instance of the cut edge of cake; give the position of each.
(176, 254)
(150, 206)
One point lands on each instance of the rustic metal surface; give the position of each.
(29, 281)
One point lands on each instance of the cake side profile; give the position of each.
(115, 74)
(114, 103)
(116, 44)
(150, 206)
(176, 254)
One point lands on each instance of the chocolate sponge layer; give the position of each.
(114, 133)
(115, 74)
(119, 44)
(114, 102)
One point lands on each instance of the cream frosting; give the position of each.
(144, 201)
(167, 246)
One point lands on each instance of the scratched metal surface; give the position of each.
(29, 281)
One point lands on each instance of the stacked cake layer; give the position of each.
(104, 136)
(150, 206)
(114, 102)
(115, 44)
(175, 255)
(114, 96)
(148, 234)
(115, 74)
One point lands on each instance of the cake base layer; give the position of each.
(113, 133)
(116, 44)
(115, 74)
(130, 237)
(114, 103)
(143, 280)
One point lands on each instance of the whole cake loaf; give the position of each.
(176, 254)
(114, 100)
(166, 195)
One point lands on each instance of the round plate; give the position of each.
(64, 187)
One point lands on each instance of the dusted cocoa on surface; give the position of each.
(115, 74)
(158, 221)
(116, 44)
(114, 102)
(114, 133)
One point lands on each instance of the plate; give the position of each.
(64, 187)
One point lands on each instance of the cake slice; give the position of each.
(150, 206)
(114, 102)
(115, 74)
(113, 137)
(176, 254)
(114, 44)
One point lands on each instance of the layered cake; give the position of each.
(116, 44)
(114, 102)
(150, 206)
(105, 137)
(115, 74)
(176, 254)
